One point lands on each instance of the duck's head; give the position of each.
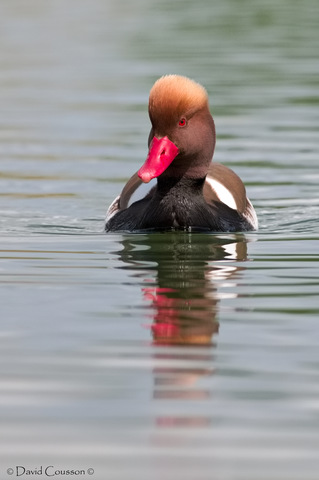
(182, 137)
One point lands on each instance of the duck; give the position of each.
(186, 190)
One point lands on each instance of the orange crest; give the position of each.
(173, 96)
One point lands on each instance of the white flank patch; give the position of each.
(251, 215)
(222, 193)
(113, 209)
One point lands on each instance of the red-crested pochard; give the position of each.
(191, 192)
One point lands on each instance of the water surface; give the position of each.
(166, 355)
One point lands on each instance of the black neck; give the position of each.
(193, 186)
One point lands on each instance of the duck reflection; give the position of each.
(184, 272)
(183, 291)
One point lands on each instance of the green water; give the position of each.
(168, 355)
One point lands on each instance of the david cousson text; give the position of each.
(49, 471)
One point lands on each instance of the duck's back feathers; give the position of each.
(224, 185)
(133, 191)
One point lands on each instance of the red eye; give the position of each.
(182, 122)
